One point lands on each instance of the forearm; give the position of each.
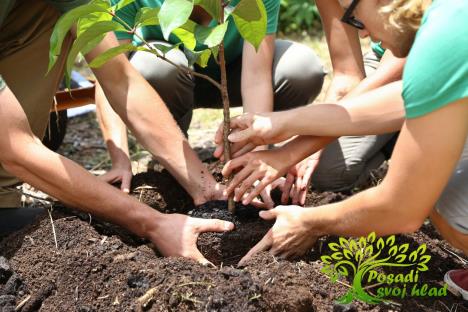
(301, 147)
(390, 70)
(146, 115)
(375, 112)
(113, 128)
(74, 186)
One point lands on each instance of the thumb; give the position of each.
(240, 136)
(268, 214)
(213, 225)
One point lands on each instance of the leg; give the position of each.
(298, 75)
(174, 87)
(24, 59)
(346, 163)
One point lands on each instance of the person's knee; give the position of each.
(451, 231)
(299, 70)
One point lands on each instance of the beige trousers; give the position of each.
(24, 57)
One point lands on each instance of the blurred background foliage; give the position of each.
(298, 17)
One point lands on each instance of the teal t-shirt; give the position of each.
(233, 41)
(436, 71)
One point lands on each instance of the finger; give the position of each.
(258, 190)
(269, 214)
(218, 152)
(246, 185)
(197, 256)
(126, 182)
(278, 183)
(240, 150)
(240, 136)
(262, 245)
(233, 164)
(110, 177)
(219, 134)
(266, 197)
(293, 195)
(287, 188)
(237, 180)
(212, 225)
(257, 203)
(302, 197)
(307, 176)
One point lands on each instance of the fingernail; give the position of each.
(126, 190)
(228, 226)
(245, 202)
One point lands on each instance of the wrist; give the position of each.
(145, 221)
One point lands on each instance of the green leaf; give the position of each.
(348, 254)
(82, 43)
(173, 14)
(380, 243)
(400, 258)
(121, 4)
(358, 256)
(326, 259)
(147, 17)
(371, 237)
(390, 240)
(413, 256)
(421, 249)
(422, 267)
(111, 53)
(337, 256)
(362, 242)
(369, 251)
(215, 52)
(211, 36)
(213, 7)
(425, 259)
(186, 34)
(199, 57)
(393, 251)
(251, 21)
(166, 48)
(403, 248)
(353, 246)
(344, 242)
(334, 246)
(64, 25)
(343, 271)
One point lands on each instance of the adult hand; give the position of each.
(176, 235)
(262, 166)
(298, 180)
(120, 172)
(289, 237)
(251, 130)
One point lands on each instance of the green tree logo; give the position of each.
(357, 258)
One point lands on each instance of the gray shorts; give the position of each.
(453, 203)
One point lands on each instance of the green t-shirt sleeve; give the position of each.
(127, 14)
(2, 83)
(436, 72)
(272, 8)
(67, 5)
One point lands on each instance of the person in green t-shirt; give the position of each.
(281, 75)
(428, 175)
(26, 98)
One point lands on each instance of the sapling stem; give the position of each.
(226, 113)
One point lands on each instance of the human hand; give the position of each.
(262, 166)
(176, 235)
(251, 130)
(120, 172)
(298, 180)
(289, 237)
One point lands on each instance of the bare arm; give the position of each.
(144, 112)
(344, 48)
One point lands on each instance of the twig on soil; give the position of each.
(197, 283)
(22, 303)
(255, 297)
(188, 297)
(144, 187)
(147, 297)
(53, 227)
(465, 262)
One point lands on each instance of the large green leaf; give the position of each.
(173, 14)
(186, 34)
(213, 7)
(91, 35)
(64, 25)
(199, 57)
(251, 21)
(147, 17)
(211, 36)
(111, 53)
(121, 4)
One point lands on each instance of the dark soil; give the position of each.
(100, 267)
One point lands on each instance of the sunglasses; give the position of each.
(349, 18)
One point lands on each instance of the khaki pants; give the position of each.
(24, 57)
